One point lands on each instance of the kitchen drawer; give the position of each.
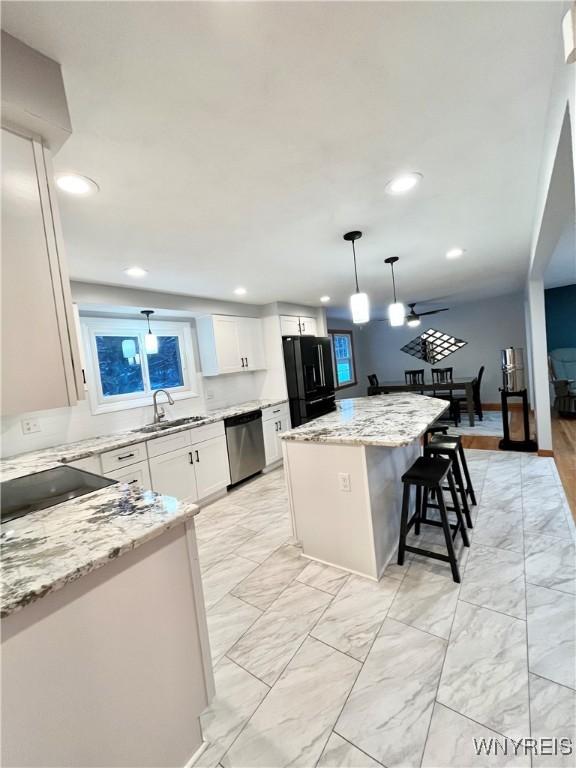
(276, 412)
(169, 443)
(207, 432)
(89, 464)
(122, 457)
(136, 474)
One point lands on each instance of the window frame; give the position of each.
(92, 327)
(335, 332)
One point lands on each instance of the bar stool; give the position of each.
(434, 430)
(428, 474)
(451, 447)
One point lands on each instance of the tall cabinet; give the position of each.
(41, 358)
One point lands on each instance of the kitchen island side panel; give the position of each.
(333, 525)
(109, 669)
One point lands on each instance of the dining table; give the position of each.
(463, 384)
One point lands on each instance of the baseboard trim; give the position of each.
(202, 748)
(542, 452)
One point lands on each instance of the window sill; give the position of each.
(141, 402)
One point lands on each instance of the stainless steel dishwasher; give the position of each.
(245, 441)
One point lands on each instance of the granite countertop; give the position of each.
(45, 550)
(37, 461)
(386, 420)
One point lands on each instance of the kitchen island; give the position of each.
(344, 472)
(105, 655)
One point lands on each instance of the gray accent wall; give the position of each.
(488, 326)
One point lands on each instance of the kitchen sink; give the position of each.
(162, 425)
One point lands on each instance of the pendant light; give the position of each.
(397, 310)
(151, 340)
(359, 304)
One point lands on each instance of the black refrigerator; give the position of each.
(309, 376)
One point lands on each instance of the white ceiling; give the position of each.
(234, 143)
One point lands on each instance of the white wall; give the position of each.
(65, 425)
(549, 219)
(488, 326)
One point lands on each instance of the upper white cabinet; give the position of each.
(230, 344)
(42, 366)
(298, 326)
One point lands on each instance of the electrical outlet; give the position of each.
(30, 426)
(209, 394)
(344, 481)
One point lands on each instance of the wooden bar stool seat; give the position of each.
(427, 475)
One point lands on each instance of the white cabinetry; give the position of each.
(192, 464)
(274, 421)
(230, 344)
(136, 474)
(39, 342)
(173, 474)
(89, 464)
(298, 326)
(211, 466)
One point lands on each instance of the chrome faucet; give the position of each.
(159, 414)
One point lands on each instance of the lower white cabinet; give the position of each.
(89, 464)
(211, 466)
(173, 474)
(272, 427)
(194, 472)
(137, 475)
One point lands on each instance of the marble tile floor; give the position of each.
(318, 667)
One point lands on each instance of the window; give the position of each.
(343, 356)
(122, 374)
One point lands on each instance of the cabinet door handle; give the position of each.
(277, 411)
(131, 482)
(246, 361)
(197, 457)
(242, 361)
(191, 457)
(126, 456)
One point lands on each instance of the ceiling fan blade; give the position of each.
(434, 311)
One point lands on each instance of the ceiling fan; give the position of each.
(412, 319)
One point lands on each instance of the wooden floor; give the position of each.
(564, 443)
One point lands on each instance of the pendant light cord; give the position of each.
(393, 283)
(355, 270)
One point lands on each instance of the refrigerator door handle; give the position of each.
(321, 365)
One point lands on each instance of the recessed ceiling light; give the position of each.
(324, 299)
(240, 291)
(136, 272)
(75, 184)
(454, 253)
(399, 185)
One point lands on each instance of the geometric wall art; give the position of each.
(433, 346)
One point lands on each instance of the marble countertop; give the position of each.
(45, 550)
(37, 461)
(385, 420)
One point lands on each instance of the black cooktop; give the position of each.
(45, 489)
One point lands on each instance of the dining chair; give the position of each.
(444, 376)
(415, 376)
(462, 400)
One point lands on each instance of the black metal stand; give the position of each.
(527, 445)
